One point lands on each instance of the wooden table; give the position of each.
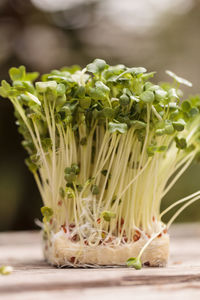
(34, 279)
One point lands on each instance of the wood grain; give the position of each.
(34, 279)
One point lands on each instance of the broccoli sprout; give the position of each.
(6, 270)
(105, 144)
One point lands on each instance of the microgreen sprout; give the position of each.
(179, 79)
(47, 213)
(105, 145)
(134, 262)
(6, 270)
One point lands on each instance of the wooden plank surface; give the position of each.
(34, 279)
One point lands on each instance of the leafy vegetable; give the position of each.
(105, 145)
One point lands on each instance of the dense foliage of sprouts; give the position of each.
(103, 144)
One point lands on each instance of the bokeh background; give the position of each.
(48, 34)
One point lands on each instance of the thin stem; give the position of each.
(178, 202)
(181, 209)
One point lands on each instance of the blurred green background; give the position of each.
(47, 34)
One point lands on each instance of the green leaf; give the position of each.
(185, 106)
(32, 76)
(193, 111)
(112, 72)
(60, 79)
(75, 168)
(147, 97)
(3, 93)
(179, 125)
(180, 143)
(68, 170)
(79, 187)
(100, 91)
(160, 131)
(60, 101)
(169, 129)
(132, 71)
(138, 124)
(61, 192)
(31, 165)
(124, 100)
(108, 215)
(190, 148)
(61, 89)
(148, 75)
(46, 143)
(71, 172)
(24, 86)
(149, 86)
(118, 80)
(117, 127)
(5, 89)
(98, 65)
(160, 94)
(80, 92)
(151, 150)
(70, 175)
(6, 86)
(42, 87)
(164, 127)
(162, 148)
(195, 100)
(85, 102)
(105, 113)
(95, 189)
(70, 192)
(47, 213)
(179, 79)
(136, 71)
(172, 94)
(134, 262)
(17, 73)
(108, 113)
(72, 69)
(6, 270)
(104, 172)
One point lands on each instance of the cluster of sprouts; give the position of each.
(105, 145)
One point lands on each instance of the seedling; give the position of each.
(105, 145)
(6, 270)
